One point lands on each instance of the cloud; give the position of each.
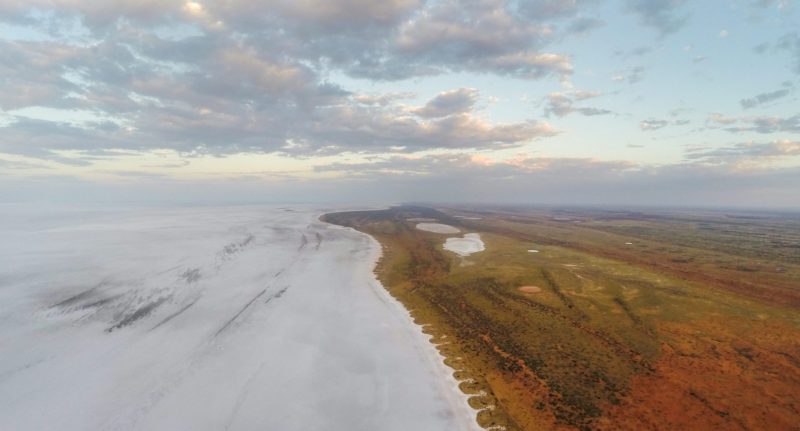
(779, 4)
(478, 36)
(759, 124)
(762, 98)
(748, 152)
(443, 177)
(663, 15)
(563, 104)
(19, 165)
(549, 9)
(638, 51)
(586, 94)
(349, 129)
(631, 76)
(558, 104)
(584, 25)
(458, 164)
(456, 101)
(381, 99)
(243, 76)
(717, 118)
(761, 48)
(236, 76)
(652, 124)
(790, 42)
(526, 179)
(33, 73)
(341, 13)
(346, 127)
(764, 124)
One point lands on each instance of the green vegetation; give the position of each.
(608, 322)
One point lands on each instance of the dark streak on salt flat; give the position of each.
(138, 347)
(138, 314)
(79, 297)
(175, 314)
(235, 316)
(277, 295)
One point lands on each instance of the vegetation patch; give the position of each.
(579, 335)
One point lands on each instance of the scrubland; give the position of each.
(622, 320)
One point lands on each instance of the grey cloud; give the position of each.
(590, 112)
(458, 164)
(760, 124)
(527, 179)
(652, 124)
(381, 99)
(478, 35)
(639, 51)
(562, 104)
(717, 118)
(33, 73)
(390, 39)
(548, 9)
(772, 124)
(251, 78)
(353, 129)
(678, 111)
(790, 43)
(780, 4)
(98, 16)
(443, 178)
(230, 128)
(663, 15)
(555, 10)
(456, 101)
(761, 48)
(6, 164)
(585, 94)
(762, 98)
(417, 40)
(747, 152)
(46, 140)
(346, 13)
(584, 25)
(631, 76)
(558, 104)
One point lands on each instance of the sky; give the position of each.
(597, 102)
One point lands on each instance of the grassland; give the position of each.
(640, 321)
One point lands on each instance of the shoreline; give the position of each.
(458, 400)
(448, 385)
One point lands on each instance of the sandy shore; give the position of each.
(456, 399)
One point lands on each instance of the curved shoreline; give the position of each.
(448, 384)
